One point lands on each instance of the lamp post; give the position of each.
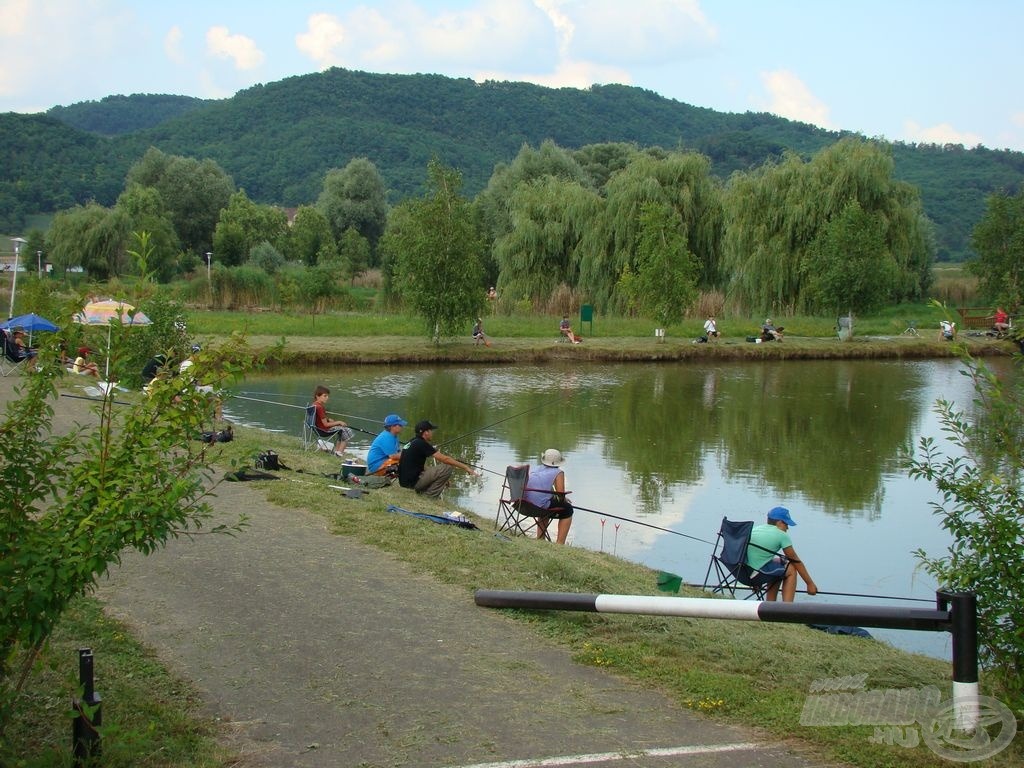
(39, 264)
(209, 283)
(18, 242)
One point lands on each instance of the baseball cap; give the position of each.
(552, 457)
(781, 513)
(393, 419)
(424, 425)
(83, 351)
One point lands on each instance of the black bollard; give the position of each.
(85, 735)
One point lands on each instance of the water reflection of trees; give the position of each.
(824, 430)
(827, 430)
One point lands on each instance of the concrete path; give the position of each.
(316, 650)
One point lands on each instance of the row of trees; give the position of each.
(628, 230)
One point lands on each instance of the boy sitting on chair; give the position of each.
(771, 569)
(332, 429)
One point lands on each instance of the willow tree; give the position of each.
(778, 217)
(682, 182)
(548, 160)
(547, 219)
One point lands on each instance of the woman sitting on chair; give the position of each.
(547, 492)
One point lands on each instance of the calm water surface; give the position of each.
(679, 446)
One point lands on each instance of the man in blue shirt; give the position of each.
(385, 448)
(773, 569)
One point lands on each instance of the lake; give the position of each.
(678, 446)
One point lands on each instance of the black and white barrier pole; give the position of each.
(955, 613)
(85, 736)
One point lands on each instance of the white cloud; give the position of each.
(238, 48)
(789, 97)
(943, 133)
(569, 74)
(642, 32)
(491, 34)
(325, 35)
(172, 45)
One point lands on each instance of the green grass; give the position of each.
(888, 322)
(153, 716)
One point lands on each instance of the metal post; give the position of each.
(964, 630)
(85, 736)
(18, 242)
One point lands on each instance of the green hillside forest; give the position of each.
(278, 140)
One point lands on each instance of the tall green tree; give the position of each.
(680, 180)
(778, 215)
(354, 197)
(92, 237)
(243, 225)
(146, 212)
(354, 253)
(309, 239)
(665, 281)
(999, 241)
(849, 267)
(439, 251)
(194, 192)
(547, 218)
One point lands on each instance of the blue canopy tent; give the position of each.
(31, 323)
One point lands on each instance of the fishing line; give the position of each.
(501, 421)
(93, 399)
(822, 592)
(303, 408)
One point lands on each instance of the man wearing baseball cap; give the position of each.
(771, 568)
(412, 470)
(382, 458)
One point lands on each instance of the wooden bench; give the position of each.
(976, 317)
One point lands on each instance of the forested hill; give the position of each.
(278, 140)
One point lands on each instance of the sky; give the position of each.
(932, 71)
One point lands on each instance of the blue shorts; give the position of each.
(773, 570)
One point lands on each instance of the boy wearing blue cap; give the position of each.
(385, 448)
(774, 569)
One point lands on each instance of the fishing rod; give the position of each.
(500, 421)
(613, 517)
(93, 399)
(303, 407)
(822, 592)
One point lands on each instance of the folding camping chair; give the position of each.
(729, 561)
(515, 514)
(13, 356)
(313, 437)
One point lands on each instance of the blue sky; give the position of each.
(907, 70)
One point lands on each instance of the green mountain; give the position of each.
(278, 140)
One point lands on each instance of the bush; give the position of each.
(983, 509)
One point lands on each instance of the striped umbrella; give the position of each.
(110, 312)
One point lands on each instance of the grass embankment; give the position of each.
(325, 340)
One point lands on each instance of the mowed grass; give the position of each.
(888, 322)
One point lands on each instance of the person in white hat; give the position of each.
(546, 490)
